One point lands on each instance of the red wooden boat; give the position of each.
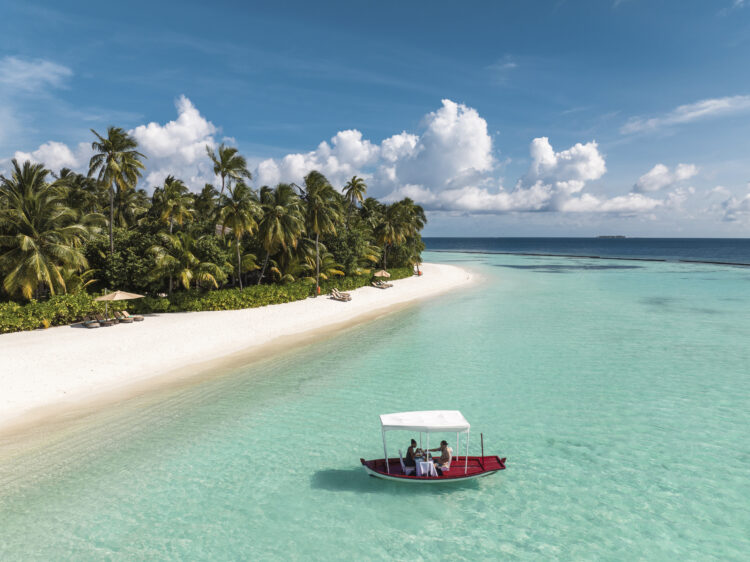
(462, 467)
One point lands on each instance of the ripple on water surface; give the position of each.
(619, 395)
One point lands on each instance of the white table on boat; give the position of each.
(426, 468)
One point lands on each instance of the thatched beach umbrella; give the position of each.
(382, 273)
(116, 296)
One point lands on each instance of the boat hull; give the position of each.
(478, 467)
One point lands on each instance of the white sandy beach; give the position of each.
(48, 369)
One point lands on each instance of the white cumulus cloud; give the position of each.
(447, 165)
(632, 203)
(347, 153)
(568, 170)
(178, 147)
(452, 151)
(56, 155)
(660, 177)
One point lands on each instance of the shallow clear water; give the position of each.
(621, 397)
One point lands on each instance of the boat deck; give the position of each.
(476, 466)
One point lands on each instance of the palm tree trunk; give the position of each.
(111, 220)
(317, 266)
(171, 224)
(222, 187)
(239, 264)
(265, 263)
(385, 257)
(170, 285)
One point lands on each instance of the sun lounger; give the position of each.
(137, 318)
(377, 285)
(122, 318)
(102, 321)
(336, 295)
(89, 322)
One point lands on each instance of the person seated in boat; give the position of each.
(446, 455)
(410, 454)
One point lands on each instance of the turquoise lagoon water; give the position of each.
(619, 391)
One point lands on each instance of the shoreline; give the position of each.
(65, 372)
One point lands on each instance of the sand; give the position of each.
(44, 371)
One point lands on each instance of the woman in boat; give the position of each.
(446, 455)
(409, 460)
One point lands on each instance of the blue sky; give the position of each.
(502, 118)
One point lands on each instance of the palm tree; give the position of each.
(321, 213)
(40, 239)
(372, 211)
(228, 163)
(281, 223)
(354, 191)
(391, 230)
(175, 202)
(414, 221)
(414, 216)
(176, 257)
(130, 205)
(205, 201)
(327, 265)
(117, 164)
(238, 213)
(82, 194)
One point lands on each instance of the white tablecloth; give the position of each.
(426, 468)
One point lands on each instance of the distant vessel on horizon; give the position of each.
(611, 236)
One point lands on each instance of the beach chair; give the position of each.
(89, 322)
(137, 318)
(124, 319)
(406, 469)
(103, 322)
(336, 295)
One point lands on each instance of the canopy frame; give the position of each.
(428, 421)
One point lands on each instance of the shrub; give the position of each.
(60, 309)
(67, 309)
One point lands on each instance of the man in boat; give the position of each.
(446, 455)
(409, 460)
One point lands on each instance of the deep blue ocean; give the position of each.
(723, 250)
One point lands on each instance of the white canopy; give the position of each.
(429, 421)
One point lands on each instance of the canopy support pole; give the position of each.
(458, 444)
(385, 452)
(466, 463)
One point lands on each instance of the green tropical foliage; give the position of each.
(282, 223)
(228, 163)
(354, 192)
(177, 257)
(186, 249)
(237, 213)
(40, 240)
(322, 213)
(117, 165)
